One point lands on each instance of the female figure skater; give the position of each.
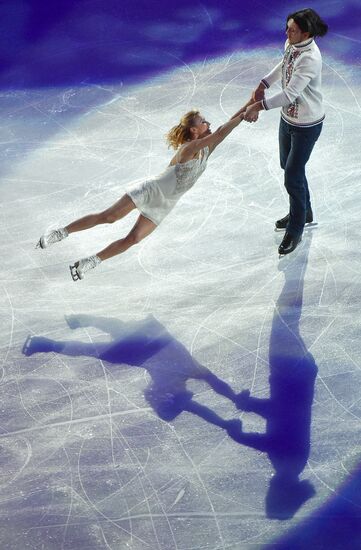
(301, 116)
(154, 198)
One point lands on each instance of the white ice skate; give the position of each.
(79, 269)
(52, 237)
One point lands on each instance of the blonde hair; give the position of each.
(181, 132)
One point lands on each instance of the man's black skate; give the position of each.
(288, 244)
(282, 223)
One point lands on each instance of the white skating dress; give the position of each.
(156, 197)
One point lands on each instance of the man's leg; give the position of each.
(302, 143)
(284, 141)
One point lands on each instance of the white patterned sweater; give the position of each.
(300, 74)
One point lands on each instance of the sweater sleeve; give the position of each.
(303, 73)
(273, 75)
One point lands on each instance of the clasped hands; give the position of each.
(252, 108)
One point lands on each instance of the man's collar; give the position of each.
(304, 43)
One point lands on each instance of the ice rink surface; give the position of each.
(119, 426)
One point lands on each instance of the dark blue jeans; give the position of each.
(296, 144)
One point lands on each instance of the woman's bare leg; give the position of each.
(117, 211)
(141, 229)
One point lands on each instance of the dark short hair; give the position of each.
(309, 21)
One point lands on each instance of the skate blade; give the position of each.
(39, 245)
(309, 224)
(74, 274)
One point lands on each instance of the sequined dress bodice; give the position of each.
(187, 173)
(157, 196)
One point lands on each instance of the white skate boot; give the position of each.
(79, 269)
(52, 237)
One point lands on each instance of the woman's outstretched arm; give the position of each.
(211, 141)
